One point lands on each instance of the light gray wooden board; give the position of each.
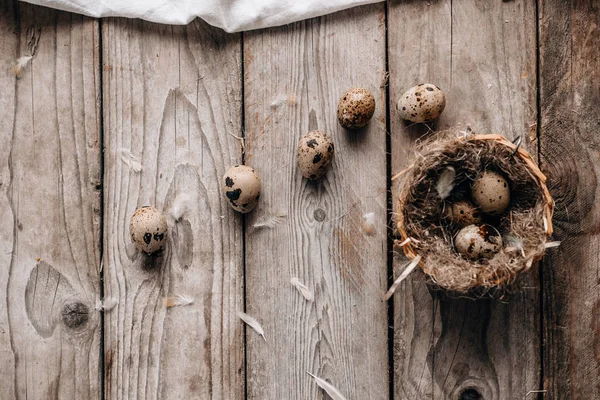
(483, 57)
(294, 76)
(172, 97)
(570, 94)
(49, 205)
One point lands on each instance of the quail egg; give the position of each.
(355, 108)
(478, 241)
(148, 229)
(491, 193)
(462, 213)
(421, 103)
(241, 187)
(315, 152)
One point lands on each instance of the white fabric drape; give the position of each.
(230, 15)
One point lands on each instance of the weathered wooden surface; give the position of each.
(172, 101)
(294, 76)
(483, 56)
(570, 93)
(49, 205)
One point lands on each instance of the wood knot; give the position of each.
(75, 315)
(572, 182)
(319, 214)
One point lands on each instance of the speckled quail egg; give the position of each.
(421, 103)
(478, 241)
(462, 213)
(355, 108)
(315, 153)
(491, 193)
(148, 229)
(241, 186)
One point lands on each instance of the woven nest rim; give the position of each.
(536, 173)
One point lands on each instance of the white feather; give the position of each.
(529, 263)
(328, 388)
(413, 264)
(278, 103)
(551, 244)
(405, 242)
(368, 224)
(178, 300)
(22, 62)
(253, 323)
(305, 291)
(467, 132)
(515, 243)
(181, 205)
(270, 221)
(107, 304)
(130, 160)
(445, 183)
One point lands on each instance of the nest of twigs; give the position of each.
(525, 226)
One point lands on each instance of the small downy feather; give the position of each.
(253, 323)
(22, 62)
(130, 160)
(328, 388)
(445, 183)
(405, 242)
(529, 263)
(278, 103)
(181, 205)
(305, 291)
(368, 224)
(107, 304)
(270, 221)
(413, 264)
(178, 300)
(549, 245)
(514, 243)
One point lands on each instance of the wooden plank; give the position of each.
(483, 57)
(294, 76)
(570, 94)
(49, 205)
(172, 101)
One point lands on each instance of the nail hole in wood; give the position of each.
(470, 394)
(75, 315)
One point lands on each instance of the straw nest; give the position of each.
(525, 226)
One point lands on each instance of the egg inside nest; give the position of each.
(433, 223)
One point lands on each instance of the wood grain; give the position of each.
(570, 94)
(483, 56)
(49, 205)
(294, 77)
(172, 102)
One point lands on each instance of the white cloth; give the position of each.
(230, 15)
